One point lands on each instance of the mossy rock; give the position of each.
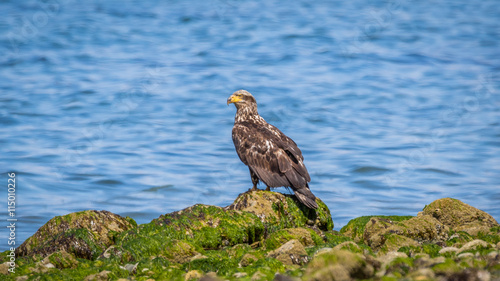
(460, 216)
(61, 259)
(204, 226)
(280, 237)
(421, 229)
(338, 265)
(85, 234)
(278, 211)
(355, 228)
(393, 242)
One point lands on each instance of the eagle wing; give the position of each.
(270, 154)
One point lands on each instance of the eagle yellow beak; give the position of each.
(233, 99)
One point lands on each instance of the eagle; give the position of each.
(270, 155)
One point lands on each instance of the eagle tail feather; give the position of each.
(306, 197)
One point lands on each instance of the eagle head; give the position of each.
(241, 98)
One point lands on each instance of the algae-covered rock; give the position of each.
(292, 252)
(85, 234)
(460, 216)
(374, 231)
(355, 228)
(280, 237)
(279, 211)
(338, 265)
(61, 259)
(201, 226)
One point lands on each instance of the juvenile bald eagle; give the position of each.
(271, 156)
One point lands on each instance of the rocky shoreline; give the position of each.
(263, 235)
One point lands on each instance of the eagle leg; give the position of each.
(268, 188)
(255, 180)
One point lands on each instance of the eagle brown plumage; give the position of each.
(271, 156)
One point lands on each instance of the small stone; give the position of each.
(193, 274)
(258, 276)
(247, 259)
(473, 245)
(347, 245)
(22, 278)
(240, 274)
(447, 250)
(422, 274)
(322, 251)
(132, 268)
(101, 276)
(465, 255)
(4, 268)
(49, 265)
(198, 257)
(290, 253)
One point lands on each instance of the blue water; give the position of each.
(121, 105)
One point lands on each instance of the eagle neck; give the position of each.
(247, 113)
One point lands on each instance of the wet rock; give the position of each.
(460, 216)
(394, 242)
(179, 251)
(85, 234)
(292, 252)
(101, 276)
(448, 250)
(280, 237)
(355, 228)
(4, 268)
(421, 228)
(474, 245)
(61, 259)
(283, 211)
(193, 275)
(208, 227)
(240, 274)
(247, 259)
(338, 265)
(422, 274)
(348, 245)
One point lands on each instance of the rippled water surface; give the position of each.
(121, 105)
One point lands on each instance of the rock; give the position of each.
(338, 265)
(61, 259)
(355, 228)
(386, 259)
(203, 226)
(101, 276)
(422, 274)
(323, 251)
(280, 237)
(394, 242)
(193, 274)
(348, 245)
(131, 267)
(247, 259)
(4, 268)
(22, 278)
(283, 211)
(240, 274)
(447, 250)
(460, 216)
(85, 234)
(178, 251)
(258, 275)
(292, 252)
(474, 245)
(421, 229)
